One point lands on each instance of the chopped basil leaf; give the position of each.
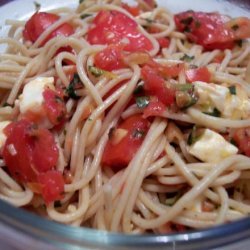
(215, 113)
(193, 137)
(232, 90)
(80, 1)
(239, 43)
(142, 101)
(96, 71)
(187, 29)
(70, 90)
(232, 141)
(139, 89)
(187, 58)
(171, 201)
(235, 27)
(148, 20)
(184, 87)
(37, 5)
(197, 24)
(138, 133)
(187, 21)
(57, 204)
(83, 16)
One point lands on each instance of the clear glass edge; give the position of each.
(39, 227)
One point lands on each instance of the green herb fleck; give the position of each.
(239, 43)
(235, 27)
(193, 136)
(70, 90)
(187, 58)
(81, 1)
(96, 71)
(187, 29)
(171, 201)
(232, 141)
(83, 16)
(142, 101)
(139, 89)
(37, 5)
(187, 21)
(184, 87)
(148, 20)
(215, 113)
(90, 119)
(232, 90)
(138, 133)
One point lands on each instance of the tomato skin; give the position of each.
(35, 150)
(52, 185)
(54, 106)
(242, 138)
(163, 42)
(154, 85)
(111, 58)
(113, 27)
(199, 74)
(206, 29)
(39, 22)
(133, 10)
(154, 108)
(118, 156)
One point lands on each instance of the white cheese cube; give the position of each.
(3, 137)
(32, 99)
(212, 147)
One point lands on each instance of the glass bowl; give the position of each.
(21, 230)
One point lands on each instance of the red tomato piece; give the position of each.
(199, 74)
(163, 42)
(54, 106)
(151, 3)
(133, 10)
(110, 58)
(114, 27)
(154, 108)
(34, 151)
(52, 185)
(154, 85)
(119, 155)
(242, 139)
(206, 29)
(39, 22)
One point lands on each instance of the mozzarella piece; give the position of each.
(32, 99)
(3, 137)
(212, 147)
(214, 95)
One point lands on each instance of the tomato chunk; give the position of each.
(154, 85)
(199, 74)
(110, 58)
(119, 155)
(206, 29)
(154, 108)
(35, 151)
(242, 139)
(114, 27)
(41, 21)
(133, 10)
(54, 106)
(52, 185)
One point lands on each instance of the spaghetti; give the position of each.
(127, 118)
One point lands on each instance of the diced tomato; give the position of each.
(114, 27)
(110, 58)
(219, 58)
(154, 108)
(41, 21)
(240, 27)
(154, 85)
(52, 185)
(133, 10)
(171, 71)
(54, 106)
(119, 155)
(242, 140)
(199, 74)
(29, 150)
(206, 29)
(151, 3)
(163, 42)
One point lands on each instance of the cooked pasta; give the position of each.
(127, 118)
